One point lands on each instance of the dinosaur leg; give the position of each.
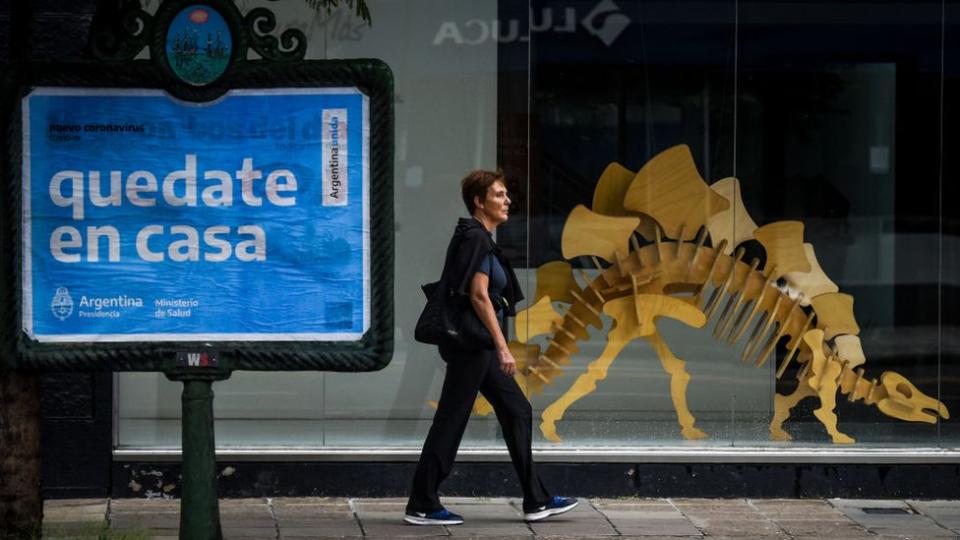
(679, 378)
(586, 383)
(828, 401)
(781, 409)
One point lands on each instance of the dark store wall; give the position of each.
(75, 407)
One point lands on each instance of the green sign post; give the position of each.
(199, 510)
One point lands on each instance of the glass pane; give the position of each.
(950, 266)
(613, 105)
(827, 114)
(445, 64)
(838, 129)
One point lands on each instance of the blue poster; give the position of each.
(150, 219)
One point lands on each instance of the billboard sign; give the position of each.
(145, 218)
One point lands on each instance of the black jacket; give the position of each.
(470, 245)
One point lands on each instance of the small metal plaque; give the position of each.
(206, 359)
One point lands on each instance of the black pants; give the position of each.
(468, 372)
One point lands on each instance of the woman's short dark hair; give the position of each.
(475, 184)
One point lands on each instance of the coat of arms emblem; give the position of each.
(62, 304)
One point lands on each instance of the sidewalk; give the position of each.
(303, 518)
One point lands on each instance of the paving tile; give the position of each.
(858, 504)
(473, 500)
(314, 536)
(914, 531)
(145, 521)
(85, 517)
(75, 509)
(68, 503)
(391, 525)
(822, 528)
(484, 524)
(307, 532)
(582, 521)
(742, 513)
(908, 524)
(405, 531)
(360, 506)
(834, 517)
(389, 500)
(781, 507)
(295, 507)
(385, 503)
(159, 509)
(141, 516)
(396, 508)
(910, 536)
(503, 536)
(250, 532)
(707, 504)
(322, 525)
(737, 527)
(579, 536)
(312, 512)
(671, 537)
(792, 503)
(244, 501)
(645, 505)
(944, 513)
(151, 533)
(645, 523)
(489, 518)
(237, 523)
(54, 517)
(303, 508)
(871, 536)
(477, 529)
(73, 529)
(706, 510)
(254, 512)
(833, 537)
(506, 512)
(391, 535)
(747, 535)
(323, 520)
(145, 503)
(309, 500)
(344, 524)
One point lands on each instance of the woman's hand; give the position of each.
(508, 364)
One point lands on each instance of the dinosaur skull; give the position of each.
(906, 402)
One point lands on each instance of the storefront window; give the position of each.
(832, 118)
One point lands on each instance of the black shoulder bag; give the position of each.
(449, 318)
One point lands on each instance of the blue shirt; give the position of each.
(498, 281)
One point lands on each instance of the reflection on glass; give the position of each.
(826, 115)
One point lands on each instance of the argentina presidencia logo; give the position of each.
(62, 304)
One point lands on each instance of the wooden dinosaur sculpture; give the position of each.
(669, 206)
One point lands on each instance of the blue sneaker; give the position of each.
(557, 505)
(439, 517)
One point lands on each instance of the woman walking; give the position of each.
(476, 269)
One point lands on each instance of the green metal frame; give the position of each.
(282, 66)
